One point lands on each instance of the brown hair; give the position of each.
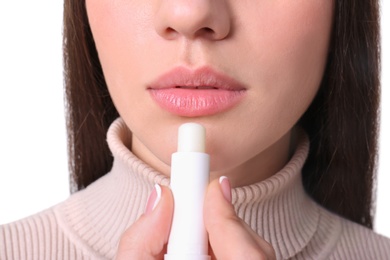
(90, 109)
(341, 122)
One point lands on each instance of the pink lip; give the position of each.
(202, 92)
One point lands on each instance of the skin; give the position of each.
(147, 238)
(277, 49)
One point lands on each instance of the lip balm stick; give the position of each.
(189, 179)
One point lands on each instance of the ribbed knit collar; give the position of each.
(277, 208)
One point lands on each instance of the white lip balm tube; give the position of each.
(190, 172)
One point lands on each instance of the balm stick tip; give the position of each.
(191, 138)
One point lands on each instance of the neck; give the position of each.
(258, 168)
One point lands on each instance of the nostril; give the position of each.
(205, 32)
(192, 19)
(169, 33)
(208, 30)
(170, 30)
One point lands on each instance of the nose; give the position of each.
(192, 19)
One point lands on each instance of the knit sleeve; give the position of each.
(37, 237)
(359, 243)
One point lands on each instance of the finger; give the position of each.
(147, 237)
(229, 236)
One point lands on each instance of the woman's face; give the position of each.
(246, 70)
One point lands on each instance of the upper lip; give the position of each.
(201, 78)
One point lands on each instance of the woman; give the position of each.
(258, 76)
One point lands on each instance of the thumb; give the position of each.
(147, 237)
(226, 228)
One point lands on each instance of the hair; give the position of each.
(342, 121)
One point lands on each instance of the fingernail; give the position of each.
(226, 188)
(153, 200)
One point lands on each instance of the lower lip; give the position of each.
(196, 102)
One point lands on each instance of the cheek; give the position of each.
(121, 39)
(294, 50)
(284, 64)
(126, 43)
(122, 36)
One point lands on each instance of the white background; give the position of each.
(33, 171)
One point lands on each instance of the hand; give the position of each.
(148, 236)
(229, 236)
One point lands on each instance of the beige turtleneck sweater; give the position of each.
(88, 225)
